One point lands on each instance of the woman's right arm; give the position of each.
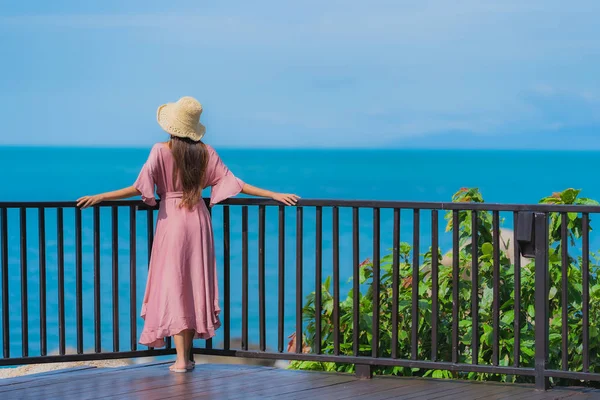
(125, 193)
(285, 198)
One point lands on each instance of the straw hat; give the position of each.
(182, 119)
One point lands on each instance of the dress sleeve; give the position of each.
(145, 182)
(222, 182)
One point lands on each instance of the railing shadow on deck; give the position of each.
(462, 351)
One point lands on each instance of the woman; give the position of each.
(181, 298)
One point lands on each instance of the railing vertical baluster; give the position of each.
(414, 328)
(244, 277)
(5, 297)
(97, 308)
(115, 276)
(336, 280)
(318, 277)
(61, 280)
(355, 279)
(42, 263)
(261, 278)
(455, 283)
(585, 271)
(376, 283)
(395, 281)
(434, 284)
(496, 289)
(541, 301)
(517, 294)
(226, 280)
(281, 279)
(24, 305)
(564, 247)
(132, 277)
(475, 287)
(79, 280)
(299, 249)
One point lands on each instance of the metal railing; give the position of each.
(12, 264)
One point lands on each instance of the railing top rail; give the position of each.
(423, 205)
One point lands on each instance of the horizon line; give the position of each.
(321, 148)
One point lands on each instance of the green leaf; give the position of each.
(531, 311)
(465, 323)
(572, 216)
(487, 249)
(508, 317)
(569, 195)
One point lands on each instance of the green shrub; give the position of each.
(485, 291)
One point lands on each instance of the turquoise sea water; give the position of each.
(41, 174)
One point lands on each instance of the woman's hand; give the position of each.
(285, 198)
(88, 201)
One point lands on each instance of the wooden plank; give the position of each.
(172, 384)
(355, 387)
(154, 381)
(287, 382)
(41, 375)
(483, 390)
(81, 375)
(142, 380)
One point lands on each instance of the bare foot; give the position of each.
(179, 365)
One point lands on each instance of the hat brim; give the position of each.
(169, 124)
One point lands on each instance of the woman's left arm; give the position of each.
(125, 193)
(285, 198)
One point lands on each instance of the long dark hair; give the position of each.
(190, 165)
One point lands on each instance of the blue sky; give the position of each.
(394, 73)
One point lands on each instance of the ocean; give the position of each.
(48, 174)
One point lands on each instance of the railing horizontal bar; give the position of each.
(371, 361)
(583, 376)
(85, 357)
(338, 203)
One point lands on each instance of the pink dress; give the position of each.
(182, 290)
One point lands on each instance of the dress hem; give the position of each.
(156, 338)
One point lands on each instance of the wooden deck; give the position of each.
(215, 381)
